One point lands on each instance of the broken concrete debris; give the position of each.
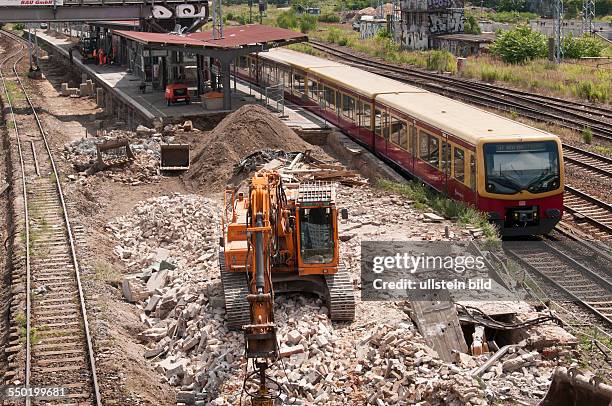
(373, 361)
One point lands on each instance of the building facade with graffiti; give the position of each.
(422, 20)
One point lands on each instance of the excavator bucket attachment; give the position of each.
(174, 157)
(114, 152)
(569, 388)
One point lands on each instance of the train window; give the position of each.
(348, 106)
(377, 122)
(366, 117)
(429, 148)
(412, 140)
(385, 125)
(298, 83)
(446, 157)
(312, 89)
(473, 172)
(330, 98)
(459, 158)
(403, 135)
(423, 145)
(434, 144)
(395, 130)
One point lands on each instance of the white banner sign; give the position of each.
(29, 3)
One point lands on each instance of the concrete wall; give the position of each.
(423, 18)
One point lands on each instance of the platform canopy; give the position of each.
(251, 38)
(235, 42)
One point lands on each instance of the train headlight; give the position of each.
(490, 187)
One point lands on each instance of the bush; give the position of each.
(329, 18)
(519, 45)
(287, 19)
(334, 35)
(307, 23)
(471, 26)
(441, 61)
(579, 47)
(19, 26)
(383, 33)
(290, 20)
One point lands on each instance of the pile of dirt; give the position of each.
(249, 129)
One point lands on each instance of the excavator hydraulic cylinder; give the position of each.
(259, 252)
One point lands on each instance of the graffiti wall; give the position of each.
(431, 5)
(445, 22)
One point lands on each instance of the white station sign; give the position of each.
(30, 3)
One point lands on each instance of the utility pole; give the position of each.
(217, 20)
(250, 11)
(588, 14)
(558, 32)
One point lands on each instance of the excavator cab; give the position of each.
(317, 234)
(316, 231)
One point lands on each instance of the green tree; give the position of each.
(519, 45)
(471, 26)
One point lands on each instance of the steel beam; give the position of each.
(74, 13)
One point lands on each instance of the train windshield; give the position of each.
(316, 235)
(513, 167)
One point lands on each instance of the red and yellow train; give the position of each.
(511, 171)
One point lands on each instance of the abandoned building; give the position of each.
(422, 20)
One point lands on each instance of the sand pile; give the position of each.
(250, 128)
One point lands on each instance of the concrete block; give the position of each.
(133, 289)
(158, 280)
(99, 97)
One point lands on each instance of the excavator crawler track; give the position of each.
(341, 298)
(235, 290)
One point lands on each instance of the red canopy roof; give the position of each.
(233, 37)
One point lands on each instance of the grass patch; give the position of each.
(105, 273)
(425, 198)
(586, 340)
(587, 135)
(600, 149)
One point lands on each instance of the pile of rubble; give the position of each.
(170, 244)
(144, 143)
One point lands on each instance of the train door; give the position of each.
(413, 147)
(445, 162)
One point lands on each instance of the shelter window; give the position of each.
(459, 157)
(473, 172)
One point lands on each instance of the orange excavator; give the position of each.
(279, 238)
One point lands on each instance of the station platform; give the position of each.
(151, 104)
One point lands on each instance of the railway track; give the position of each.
(58, 346)
(568, 114)
(569, 276)
(597, 165)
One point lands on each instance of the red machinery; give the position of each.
(177, 92)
